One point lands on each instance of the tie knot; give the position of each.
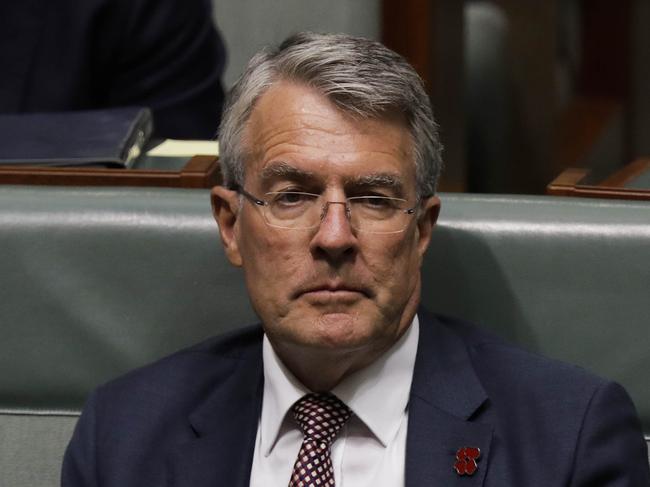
(320, 416)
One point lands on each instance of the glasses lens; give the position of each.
(373, 214)
(292, 209)
(378, 214)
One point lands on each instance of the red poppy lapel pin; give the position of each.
(466, 460)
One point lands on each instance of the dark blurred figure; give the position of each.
(84, 54)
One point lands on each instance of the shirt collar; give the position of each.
(361, 391)
(281, 391)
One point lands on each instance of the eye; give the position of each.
(290, 198)
(376, 202)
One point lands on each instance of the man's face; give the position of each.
(330, 287)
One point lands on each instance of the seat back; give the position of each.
(95, 282)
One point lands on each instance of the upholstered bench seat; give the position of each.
(94, 282)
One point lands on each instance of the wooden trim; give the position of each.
(633, 170)
(568, 184)
(569, 177)
(600, 192)
(199, 172)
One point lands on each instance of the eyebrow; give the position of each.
(283, 170)
(377, 180)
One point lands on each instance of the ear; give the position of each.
(225, 209)
(429, 211)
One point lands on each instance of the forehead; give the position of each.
(294, 125)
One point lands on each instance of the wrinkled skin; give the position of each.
(332, 299)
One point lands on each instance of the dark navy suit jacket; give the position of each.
(191, 419)
(90, 54)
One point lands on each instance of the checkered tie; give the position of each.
(320, 417)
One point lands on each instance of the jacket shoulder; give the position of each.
(188, 372)
(495, 358)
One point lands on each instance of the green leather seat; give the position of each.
(94, 282)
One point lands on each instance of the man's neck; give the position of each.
(321, 369)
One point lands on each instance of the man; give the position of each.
(330, 158)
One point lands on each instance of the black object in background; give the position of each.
(67, 55)
(111, 138)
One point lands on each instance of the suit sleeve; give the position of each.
(79, 461)
(167, 55)
(611, 451)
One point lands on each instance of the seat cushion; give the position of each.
(32, 444)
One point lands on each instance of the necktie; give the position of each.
(320, 417)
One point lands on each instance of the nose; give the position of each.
(334, 238)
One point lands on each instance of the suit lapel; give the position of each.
(444, 395)
(225, 426)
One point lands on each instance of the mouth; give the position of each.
(333, 291)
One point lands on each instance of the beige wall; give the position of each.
(248, 25)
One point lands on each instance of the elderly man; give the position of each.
(330, 157)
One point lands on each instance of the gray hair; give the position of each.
(360, 76)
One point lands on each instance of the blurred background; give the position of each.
(525, 91)
(522, 89)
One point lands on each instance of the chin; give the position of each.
(342, 331)
(333, 328)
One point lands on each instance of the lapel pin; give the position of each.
(466, 460)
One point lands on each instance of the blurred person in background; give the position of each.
(68, 55)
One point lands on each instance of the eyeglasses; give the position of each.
(295, 210)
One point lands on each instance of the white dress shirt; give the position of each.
(370, 449)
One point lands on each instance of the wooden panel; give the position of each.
(447, 75)
(200, 172)
(606, 35)
(544, 140)
(581, 126)
(569, 183)
(628, 174)
(429, 34)
(406, 30)
(604, 83)
(532, 46)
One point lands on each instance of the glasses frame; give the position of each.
(263, 203)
